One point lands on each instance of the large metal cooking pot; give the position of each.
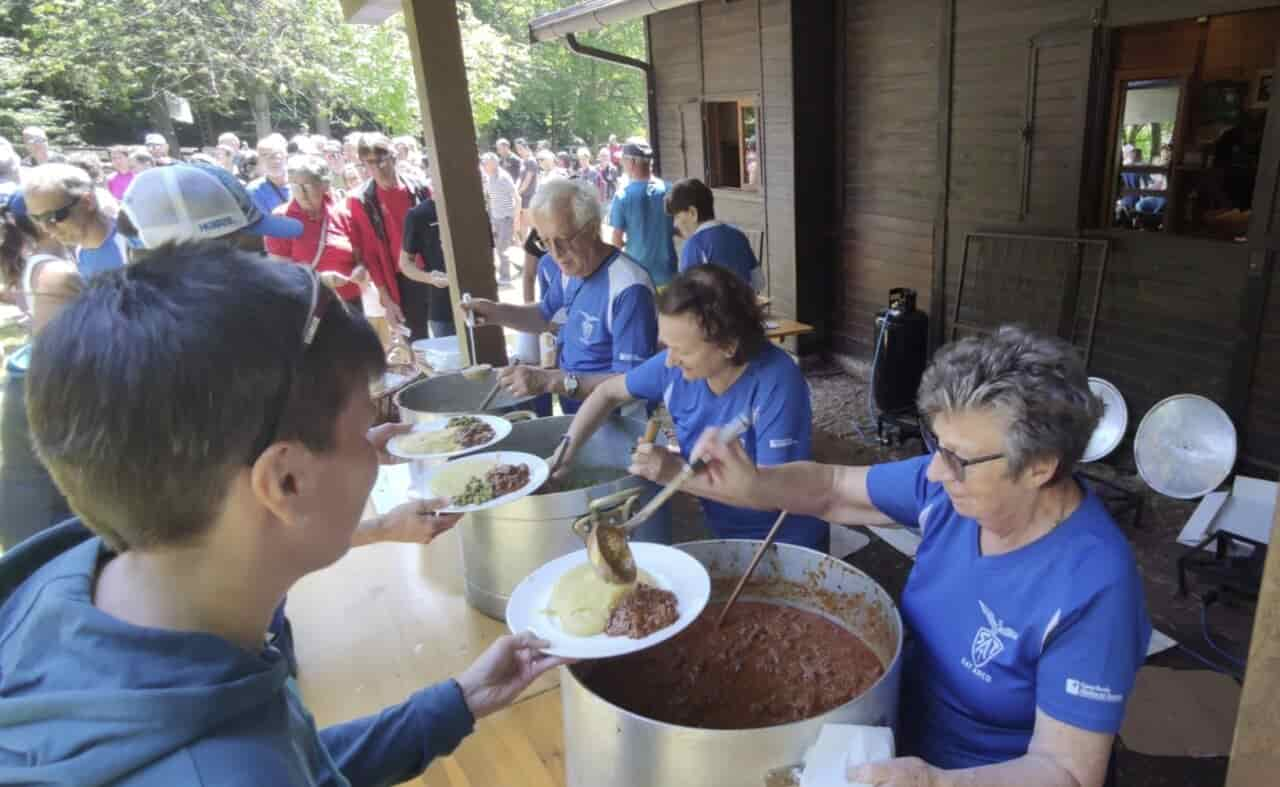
(449, 394)
(501, 546)
(605, 744)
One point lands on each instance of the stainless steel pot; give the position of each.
(605, 744)
(448, 394)
(501, 546)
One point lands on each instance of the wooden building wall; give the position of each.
(724, 51)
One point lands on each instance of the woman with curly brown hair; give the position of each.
(717, 365)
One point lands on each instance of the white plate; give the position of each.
(501, 428)
(672, 569)
(448, 479)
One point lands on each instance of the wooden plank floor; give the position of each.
(520, 747)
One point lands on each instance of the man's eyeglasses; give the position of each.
(557, 245)
(955, 463)
(321, 298)
(376, 160)
(57, 216)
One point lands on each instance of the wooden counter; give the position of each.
(388, 619)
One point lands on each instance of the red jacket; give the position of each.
(379, 247)
(337, 255)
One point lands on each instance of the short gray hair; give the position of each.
(1037, 383)
(487, 157)
(313, 167)
(568, 194)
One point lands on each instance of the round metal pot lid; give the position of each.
(1110, 430)
(1185, 446)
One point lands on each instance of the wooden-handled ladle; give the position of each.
(751, 567)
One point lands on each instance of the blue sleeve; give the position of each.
(1091, 659)
(783, 423)
(635, 327)
(899, 489)
(689, 253)
(399, 743)
(259, 199)
(552, 294)
(649, 380)
(618, 213)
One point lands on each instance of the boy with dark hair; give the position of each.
(213, 437)
(691, 205)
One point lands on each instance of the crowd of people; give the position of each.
(197, 394)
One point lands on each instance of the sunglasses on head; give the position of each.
(321, 299)
(56, 216)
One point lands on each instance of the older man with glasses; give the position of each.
(63, 201)
(272, 189)
(599, 302)
(37, 144)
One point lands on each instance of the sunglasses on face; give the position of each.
(50, 218)
(955, 463)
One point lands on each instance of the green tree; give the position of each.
(21, 105)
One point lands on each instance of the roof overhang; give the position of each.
(594, 15)
(369, 12)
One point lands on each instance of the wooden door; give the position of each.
(1260, 316)
(692, 143)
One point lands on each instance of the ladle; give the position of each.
(751, 567)
(476, 370)
(607, 546)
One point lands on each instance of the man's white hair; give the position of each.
(571, 196)
(272, 142)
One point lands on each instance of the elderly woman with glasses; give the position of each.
(325, 244)
(1025, 608)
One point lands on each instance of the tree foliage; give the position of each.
(119, 58)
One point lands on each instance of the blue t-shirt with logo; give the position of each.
(267, 195)
(640, 211)
(773, 391)
(112, 254)
(1059, 624)
(608, 321)
(721, 244)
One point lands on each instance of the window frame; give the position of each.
(711, 143)
(1120, 78)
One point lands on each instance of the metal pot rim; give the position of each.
(894, 664)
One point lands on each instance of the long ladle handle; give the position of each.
(755, 561)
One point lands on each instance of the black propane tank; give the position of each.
(902, 348)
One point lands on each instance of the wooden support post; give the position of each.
(436, 41)
(1255, 753)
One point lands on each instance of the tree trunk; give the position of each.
(322, 121)
(262, 113)
(161, 123)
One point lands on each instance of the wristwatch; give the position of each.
(570, 384)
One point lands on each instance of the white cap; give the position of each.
(155, 139)
(193, 202)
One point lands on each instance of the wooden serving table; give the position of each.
(389, 619)
(783, 328)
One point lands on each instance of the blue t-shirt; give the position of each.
(608, 321)
(773, 391)
(722, 244)
(1059, 624)
(641, 213)
(267, 195)
(112, 254)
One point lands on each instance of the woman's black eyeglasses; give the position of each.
(57, 216)
(954, 462)
(321, 298)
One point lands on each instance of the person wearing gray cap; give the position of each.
(641, 226)
(192, 202)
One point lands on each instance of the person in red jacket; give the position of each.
(378, 213)
(324, 244)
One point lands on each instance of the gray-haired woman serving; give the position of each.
(1025, 608)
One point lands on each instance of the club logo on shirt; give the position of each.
(987, 643)
(589, 325)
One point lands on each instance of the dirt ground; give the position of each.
(845, 433)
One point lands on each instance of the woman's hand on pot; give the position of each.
(523, 380)
(655, 463)
(900, 772)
